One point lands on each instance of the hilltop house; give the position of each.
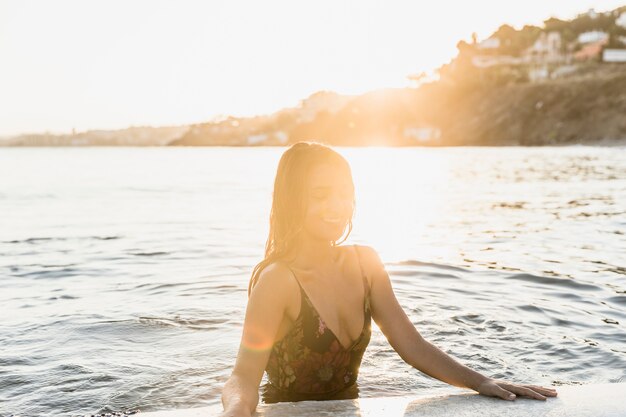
(614, 55)
(422, 134)
(593, 36)
(591, 50)
(486, 61)
(547, 48)
(592, 13)
(621, 20)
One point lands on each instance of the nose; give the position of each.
(337, 205)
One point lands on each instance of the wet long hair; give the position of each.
(289, 201)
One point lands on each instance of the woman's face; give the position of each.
(330, 199)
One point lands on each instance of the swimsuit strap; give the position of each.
(296, 278)
(366, 287)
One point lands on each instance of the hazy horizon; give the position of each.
(113, 65)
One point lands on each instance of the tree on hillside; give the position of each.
(554, 24)
(526, 37)
(506, 35)
(514, 42)
(583, 23)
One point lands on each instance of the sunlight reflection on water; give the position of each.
(124, 270)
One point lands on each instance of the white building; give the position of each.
(281, 136)
(256, 139)
(547, 48)
(538, 74)
(614, 55)
(593, 37)
(486, 61)
(422, 134)
(621, 20)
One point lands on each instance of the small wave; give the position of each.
(15, 361)
(63, 297)
(155, 288)
(563, 282)
(557, 321)
(618, 270)
(211, 289)
(53, 274)
(585, 214)
(36, 240)
(72, 368)
(530, 308)
(112, 414)
(423, 273)
(576, 203)
(11, 380)
(50, 265)
(558, 383)
(469, 318)
(33, 240)
(428, 264)
(618, 299)
(196, 324)
(511, 205)
(149, 253)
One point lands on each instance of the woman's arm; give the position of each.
(419, 353)
(265, 311)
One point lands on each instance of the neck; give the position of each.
(313, 254)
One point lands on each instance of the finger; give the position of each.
(514, 387)
(527, 392)
(504, 394)
(550, 392)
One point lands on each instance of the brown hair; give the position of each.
(289, 200)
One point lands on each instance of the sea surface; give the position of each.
(123, 271)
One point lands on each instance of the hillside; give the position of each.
(588, 106)
(532, 86)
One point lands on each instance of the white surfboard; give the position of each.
(597, 400)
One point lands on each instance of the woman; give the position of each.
(311, 300)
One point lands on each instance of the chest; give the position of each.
(332, 311)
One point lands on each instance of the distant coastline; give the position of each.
(585, 107)
(561, 84)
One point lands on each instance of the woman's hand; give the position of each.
(509, 391)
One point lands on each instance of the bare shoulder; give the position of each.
(370, 260)
(369, 255)
(275, 281)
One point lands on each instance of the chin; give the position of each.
(333, 237)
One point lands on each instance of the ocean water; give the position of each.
(123, 271)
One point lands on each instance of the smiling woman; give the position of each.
(311, 300)
(313, 192)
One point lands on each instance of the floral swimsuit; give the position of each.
(310, 363)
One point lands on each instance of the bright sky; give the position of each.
(115, 63)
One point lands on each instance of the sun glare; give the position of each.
(387, 197)
(168, 65)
